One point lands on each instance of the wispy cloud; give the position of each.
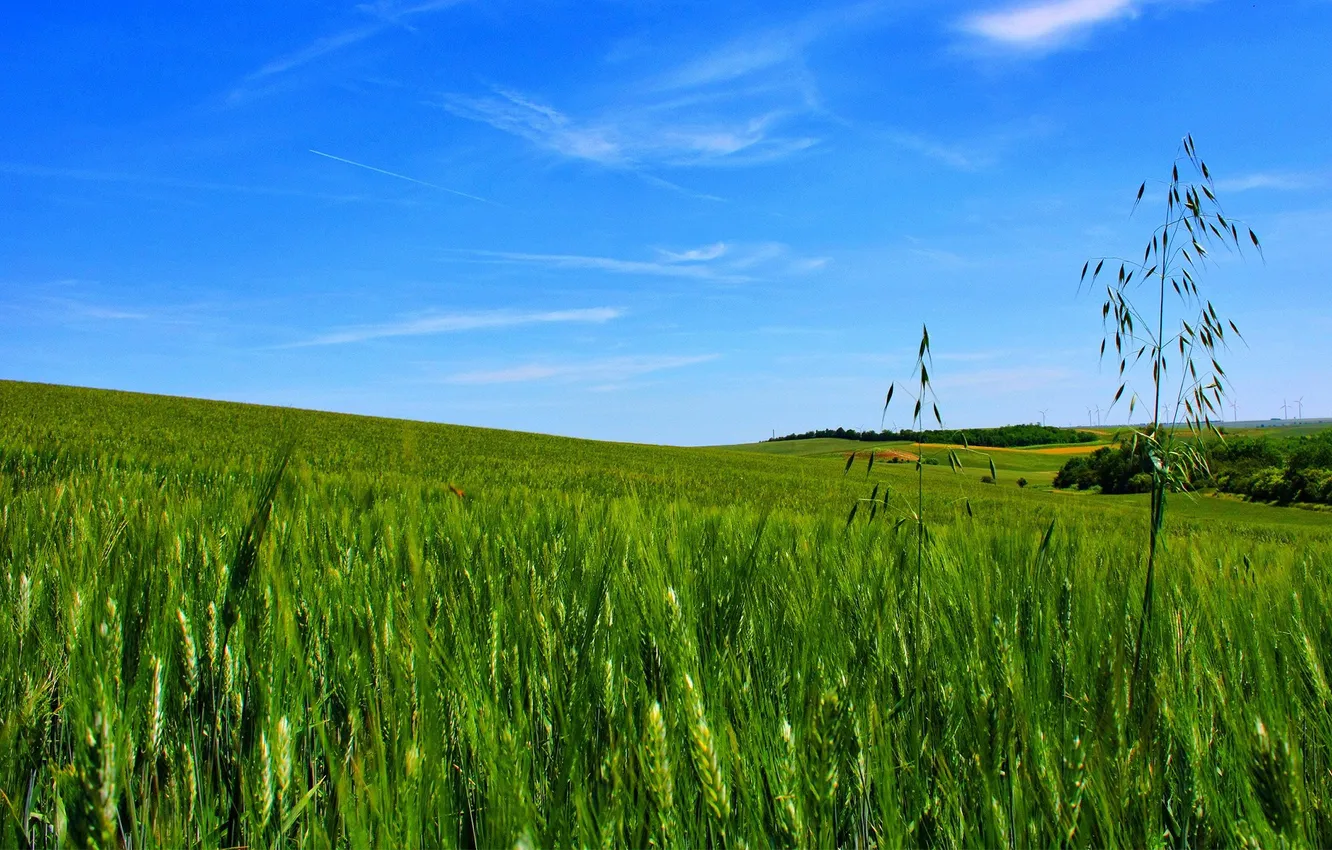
(82, 311)
(442, 323)
(748, 101)
(943, 258)
(1280, 181)
(737, 60)
(717, 262)
(612, 370)
(999, 382)
(1042, 25)
(636, 137)
(694, 255)
(610, 264)
(974, 151)
(17, 169)
(952, 155)
(114, 314)
(398, 176)
(382, 16)
(321, 46)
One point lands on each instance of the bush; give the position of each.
(1077, 472)
(1022, 482)
(1314, 452)
(1270, 485)
(1140, 483)
(1114, 470)
(985, 479)
(1315, 485)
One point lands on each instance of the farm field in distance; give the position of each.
(230, 625)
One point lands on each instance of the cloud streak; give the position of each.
(611, 370)
(442, 323)
(384, 15)
(717, 262)
(1046, 24)
(636, 137)
(93, 176)
(612, 265)
(394, 174)
(1289, 182)
(746, 102)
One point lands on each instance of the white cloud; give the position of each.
(1045, 24)
(717, 262)
(131, 179)
(385, 15)
(541, 125)
(953, 156)
(609, 370)
(1005, 381)
(696, 255)
(610, 264)
(396, 175)
(735, 61)
(1291, 181)
(78, 310)
(749, 101)
(633, 137)
(439, 323)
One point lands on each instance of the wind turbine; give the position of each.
(1283, 408)
(1043, 412)
(1098, 415)
(1090, 419)
(1234, 410)
(1299, 407)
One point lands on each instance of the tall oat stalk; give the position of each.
(1158, 326)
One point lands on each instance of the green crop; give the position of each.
(622, 645)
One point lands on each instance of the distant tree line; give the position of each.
(1284, 471)
(1005, 437)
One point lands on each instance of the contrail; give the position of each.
(399, 176)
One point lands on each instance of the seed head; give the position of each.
(155, 709)
(189, 659)
(660, 784)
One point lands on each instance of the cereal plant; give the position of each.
(623, 646)
(1175, 315)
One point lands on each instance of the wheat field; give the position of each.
(230, 626)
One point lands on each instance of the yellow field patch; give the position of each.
(886, 455)
(1079, 449)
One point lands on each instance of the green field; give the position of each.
(624, 645)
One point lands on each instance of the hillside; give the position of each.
(427, 635)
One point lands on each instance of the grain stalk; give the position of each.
(924, 393)
(1172, 259)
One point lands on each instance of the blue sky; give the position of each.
(652, 221)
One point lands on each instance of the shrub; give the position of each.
(1140, 483)
(985, 479)
(1314, 451)
(1315, 485)
(1114, 470)
(1022, 482)
(1270, 485)
(1077, 472)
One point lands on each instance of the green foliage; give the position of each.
(1193, 225)
(1281, 471)
(1311, 452)
(617, 646)
(1118, 469)
(1006, 436)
